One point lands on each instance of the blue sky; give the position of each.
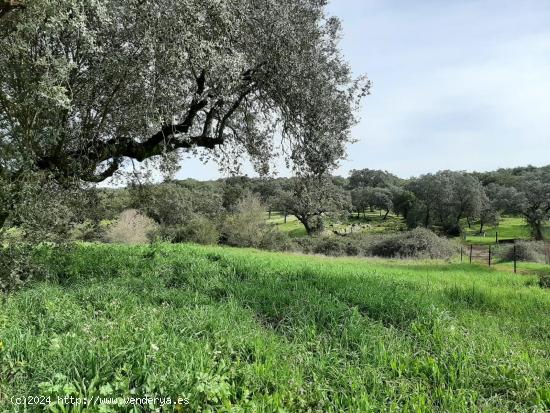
(461, 85)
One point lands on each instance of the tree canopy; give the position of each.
(87, 85)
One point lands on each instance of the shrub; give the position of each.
(17, 266)
(531, 251)
(246, 226)
(544, 280)
(131, 227)
(87, 231)
(418, 243)
(275, 240)
(198, 229)
(331, 246)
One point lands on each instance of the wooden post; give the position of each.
(471, 250)
(496, 237)
(461, 252)
(489, 255)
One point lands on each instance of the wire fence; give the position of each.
(486, 254)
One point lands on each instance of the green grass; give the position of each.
(292, 227)
(372, 222)
(524, 267)
(249, 331)
(509, 228)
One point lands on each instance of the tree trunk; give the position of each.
(305, 223)
(386, 216)
(481, 225)
(536, 227)
(269, 213)
(286, 215)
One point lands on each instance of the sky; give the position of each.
(460, 85)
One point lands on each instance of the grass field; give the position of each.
(372, 222)
(292, 226)
(509, 228)
(247, 331)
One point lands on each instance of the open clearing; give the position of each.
(243, 330)
(509, 228)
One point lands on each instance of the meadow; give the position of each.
(239, 330)
(509, 228)
(370, 222)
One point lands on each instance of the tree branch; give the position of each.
(163, 141)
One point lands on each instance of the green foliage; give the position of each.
(79, 99)
(243, 330)
(16, 266)
(418, 243)
(370, 178)
(312, 199)
(445, 198)
(198, 229)
(247, 227)
(530, 251)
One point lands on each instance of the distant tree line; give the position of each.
(445, 201)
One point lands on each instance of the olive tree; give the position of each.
(86, 86)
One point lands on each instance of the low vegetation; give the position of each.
(243, 330)
(419, 243)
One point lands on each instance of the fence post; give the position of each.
(515, 260)
(489, 255)
(471, 250)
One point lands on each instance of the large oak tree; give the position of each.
(87, 85)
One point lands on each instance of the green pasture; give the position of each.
(509, 228)
(236, 330)
(371, 222)
(292, 226)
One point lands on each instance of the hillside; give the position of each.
(243, 330)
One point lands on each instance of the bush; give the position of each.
(87, 231)
(331, 246)
(199, 230)
(418, 243)
(17, 266)
(531, 251)
(544, 281)
(246, 226)
(275, 240)
(131, 227)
